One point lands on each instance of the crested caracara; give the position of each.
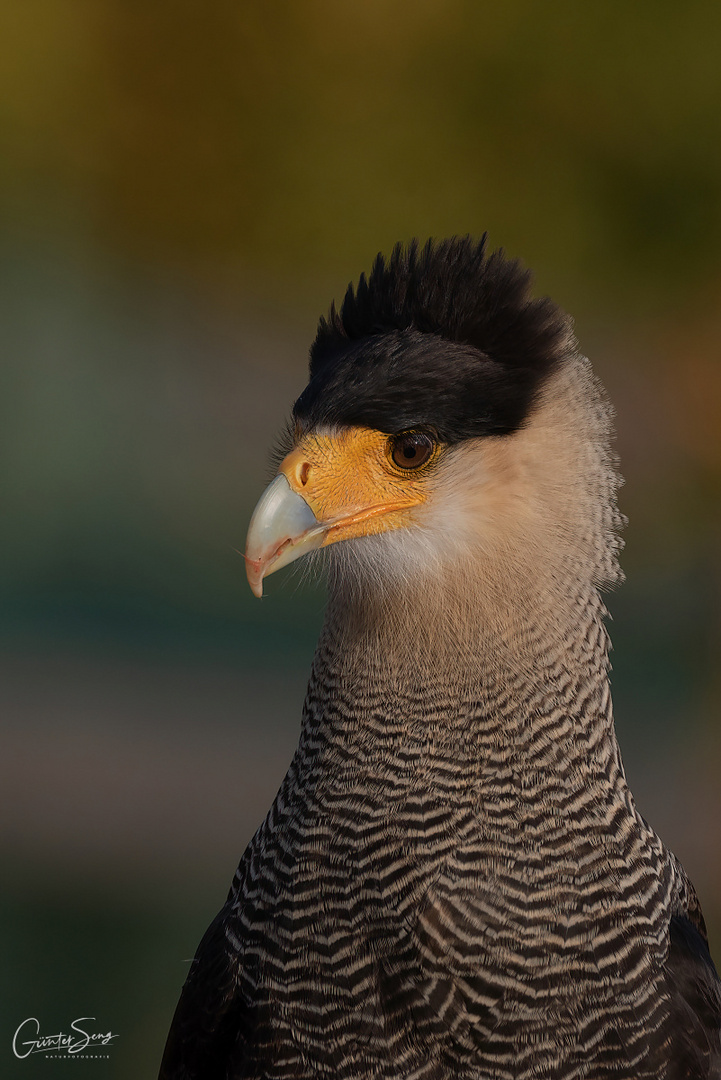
(453, 880)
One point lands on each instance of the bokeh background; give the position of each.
(183, 189)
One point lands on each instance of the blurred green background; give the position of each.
(183, 189)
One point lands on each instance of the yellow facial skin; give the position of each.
(352, 484)
(332, 487)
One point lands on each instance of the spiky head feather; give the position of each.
(444, 336)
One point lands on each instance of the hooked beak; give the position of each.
(283, 527)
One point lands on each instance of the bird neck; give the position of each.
(494, 644)
(510, 668)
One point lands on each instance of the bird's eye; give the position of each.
(411, 449)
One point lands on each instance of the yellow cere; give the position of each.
(351, 483)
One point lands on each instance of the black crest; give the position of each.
(442, 336)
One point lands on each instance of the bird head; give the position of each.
(414, 439)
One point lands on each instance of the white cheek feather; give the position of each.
(515, 529)
(504, 512)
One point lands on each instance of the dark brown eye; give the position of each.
(411, 449)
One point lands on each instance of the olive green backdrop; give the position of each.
(183, 189)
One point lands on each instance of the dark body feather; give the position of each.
(453, 880)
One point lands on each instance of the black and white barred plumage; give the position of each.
(453, 880)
